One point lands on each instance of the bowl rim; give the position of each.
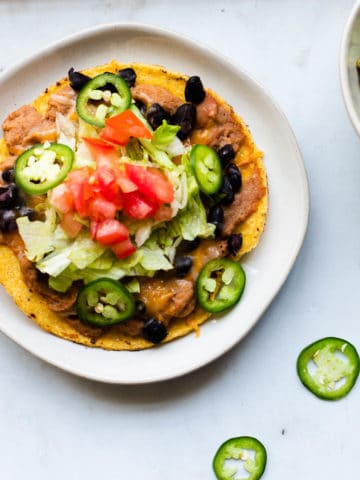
(344, 72)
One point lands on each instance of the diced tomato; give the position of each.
(136, 205)
(79, 175)
(61, 198)
(81, 189)
(103, 153)
(107, 182)
(163, 213)
(151, 182)
(81, 197)
(119, 128)
(97, 145)
(70, 225)
(100, 209)
(111, 231)
(93, 229)
(123, 249)
(124, 181)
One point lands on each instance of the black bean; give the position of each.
(154, 331)
(182, 266)
(219, 227)
(140, 308)
(8, 196)
(7, 221)
(226, 154)
(194, 90)
(216, 214)
(190, 245)
(234, 243)
(227, 192)
(8, 175)
(185, 117)
(156, 114)
(109, 86)
(129, 75)
(233, 173)
(77, 79)
(27, 212)
(141, 106)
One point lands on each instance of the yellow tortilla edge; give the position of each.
(35, 307)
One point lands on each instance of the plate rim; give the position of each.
(104, 28)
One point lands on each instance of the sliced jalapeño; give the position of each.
(42, 167)
(103, 97)
(329, 367)
(248, 450)
(207, 168)
(220, 284)
(105, 302)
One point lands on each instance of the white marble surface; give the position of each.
(54, 425)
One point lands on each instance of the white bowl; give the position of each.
(349, 53)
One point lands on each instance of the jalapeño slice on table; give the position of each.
(335, 367)
(249, 450)
(103, 97)
(42, 167)
(105, 302)
(220, 284)
(207, 168)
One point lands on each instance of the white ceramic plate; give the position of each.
(267, 267)
(349, 53)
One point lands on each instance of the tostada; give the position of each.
(128, 194)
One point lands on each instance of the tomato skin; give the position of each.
(70, 225)
(108, 185)
(119, 128)
(124, 181)
(97, 146)
(137, 206)
(61, 198)
(81, 189)
(151, 182)
(81, 195)
(100, 208)
(93, 229)
(111, 231)
(123, 249)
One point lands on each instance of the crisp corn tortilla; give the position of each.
(35, 307)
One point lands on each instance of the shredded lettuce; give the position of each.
(55, 263)
(38, 236)
(83, 157)
(80, 253)
(86, 130)
(158, 156)
(62, 282)
(85, 251)
(175, 148)
(66, 132)
(143, 233)
(165, 139)
(164, 134)
(155, 259)
(192, 222)
(133, 285)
